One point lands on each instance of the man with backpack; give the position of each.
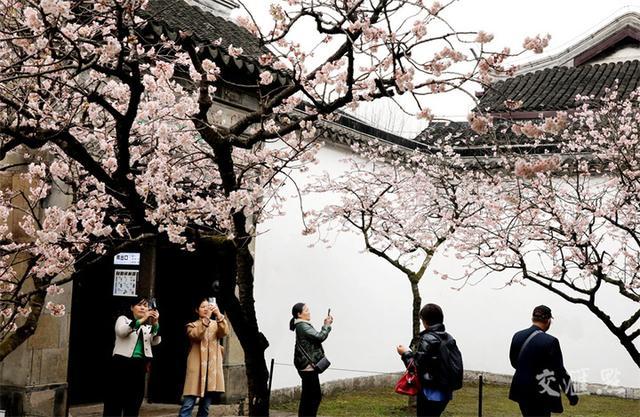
(540, 375)
(438, 362)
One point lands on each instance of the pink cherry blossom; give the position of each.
(277, 12)
(266, 59)
(531, 130)
(479, 124)
(425, 114)
(419, 29)
(529, 169)
(483, 37)
(235, 52)
(54, 290)
(266, 78)
(248, 24)
(56, 310)
(567, 221)
(537, 43)
(132, 143)
(435, 8)
(513, 104)
(407, 206)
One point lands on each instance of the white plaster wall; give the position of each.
(371, 303)
(220, 8)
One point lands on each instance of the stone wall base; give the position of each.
(34, 401)
(288, 394)
(235, 384)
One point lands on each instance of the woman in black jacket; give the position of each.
(437, 386)
(308, 351)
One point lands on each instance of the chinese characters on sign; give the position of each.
(124, 282)
(127, 258)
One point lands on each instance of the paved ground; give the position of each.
(166, 410)
(147, 410)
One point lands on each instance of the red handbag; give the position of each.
(409, 383)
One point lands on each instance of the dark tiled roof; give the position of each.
(466, 142)
(168, 17)
(180, 15)
(351, 122)
(556, 88)
(347, 129)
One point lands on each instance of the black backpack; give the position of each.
(449, 369)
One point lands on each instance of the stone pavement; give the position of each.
(147, 410)
(167, 410)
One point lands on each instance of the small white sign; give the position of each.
(127, 258)
(124, 282)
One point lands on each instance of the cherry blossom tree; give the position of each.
(122, 121)
(50, 241)
(406, 206)
(568, 222)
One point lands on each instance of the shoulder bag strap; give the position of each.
(304, 352)
(526, 342)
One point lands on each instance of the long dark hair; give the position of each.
(296, 310)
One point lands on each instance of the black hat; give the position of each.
(542, 312)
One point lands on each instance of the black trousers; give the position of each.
(311, 394)
(126, 387)
(426, 408)
(533, 410)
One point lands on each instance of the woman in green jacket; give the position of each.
(308, 346)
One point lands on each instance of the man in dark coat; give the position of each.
(540, 376)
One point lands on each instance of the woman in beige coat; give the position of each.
(204, 377)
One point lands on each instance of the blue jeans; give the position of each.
(189, 401)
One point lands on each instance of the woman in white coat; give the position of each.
(131, 355)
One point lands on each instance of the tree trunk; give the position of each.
(236, 270)
(252, 340)
(415, 313)
(628, 344)
(625, 339)
(27, 329)
(241, 309)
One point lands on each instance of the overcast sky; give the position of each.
(568, 21)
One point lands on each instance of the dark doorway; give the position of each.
(91, 334)
(181, 278)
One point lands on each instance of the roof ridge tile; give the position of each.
(556, 88)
